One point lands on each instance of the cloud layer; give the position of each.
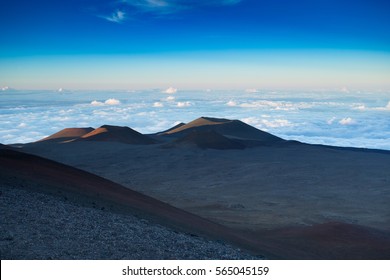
(308, 117)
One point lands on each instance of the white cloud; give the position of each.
(158, 105)
(251, 120)
(385, 108)
(112, 101)
(263, 123)
(251, 90)
(170, 90)
(97, 103)
(276, 105)
(231, 103)
(118, 16)
(170, 98)
(5, 88)
(360, 107)
(344, 90)
(22, 125)
(277, 123)
(331, 120)
(184, 104)
(346, 121)
(259, 104)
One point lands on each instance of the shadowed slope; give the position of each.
(208, 140)
(333, 240)
(122, 134)
(225, 127)
(52, 177)
(67, 134)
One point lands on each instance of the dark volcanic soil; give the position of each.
(41, 226)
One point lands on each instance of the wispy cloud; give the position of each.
(117, 16)
(274, 105)
(159, 7)
(149, 4)
(177, 4)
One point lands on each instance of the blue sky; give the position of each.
(224, 44)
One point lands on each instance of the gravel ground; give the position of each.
(41, 226)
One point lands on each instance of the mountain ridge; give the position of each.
(204, 132)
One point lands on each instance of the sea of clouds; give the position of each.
(341, 118)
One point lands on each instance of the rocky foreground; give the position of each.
(36, 225)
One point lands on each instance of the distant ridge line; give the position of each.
(203, 132)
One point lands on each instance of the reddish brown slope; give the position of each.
(122, 134)
(67, 134)
(225, 127)
(170, 129)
